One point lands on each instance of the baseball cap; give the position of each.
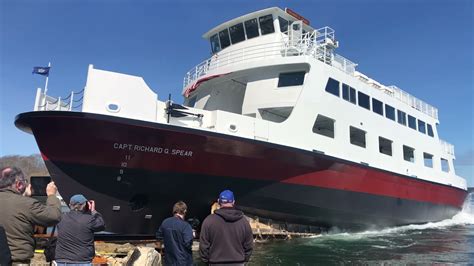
(226, 196)
(78, 199)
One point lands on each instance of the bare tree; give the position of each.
(30, 165)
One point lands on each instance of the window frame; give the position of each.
(330, 89)
(360, 96)
(425, 159)
(381, 146)
(379, 105)
(243, 33)
(413, 154)
(349, 94)
(392, 111)
(355, 142)
(320, 132)
(445, 167)
(413, 119)
(248, 26)
(228, 38)
(421, 126)
(265, 23)
(279, 85)
(401, 119)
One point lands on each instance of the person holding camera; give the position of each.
(75, 244)
(19, 214)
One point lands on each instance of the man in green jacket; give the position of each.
(19, 214)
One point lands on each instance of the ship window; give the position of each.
(428, 158)
(237, 33)
(430, 130)
(444, 165)
(333, 86)
(291, 79)
(402, 117)
(364, 100)
(324, 126)
(266, 24)
(348, 93)
(283, 25)
(385, 146)
(377, 106)
(390, 112)
(215, 46)
(224, 38)
(412, 122)
(421, 126)
(251, 28)
(408, 154)
(357, 136)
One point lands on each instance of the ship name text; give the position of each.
(152, 149)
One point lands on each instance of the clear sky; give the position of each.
(423, 47)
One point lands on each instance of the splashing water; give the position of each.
(444, 242)
(465, 217)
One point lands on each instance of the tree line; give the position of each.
(30, 165)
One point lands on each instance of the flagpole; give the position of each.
(47, 77)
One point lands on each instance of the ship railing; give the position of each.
(447, 147)
(250, 53)
(414, 102)
(72, 102)
(319, 44)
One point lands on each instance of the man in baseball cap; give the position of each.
(76, 229)
(226, 235)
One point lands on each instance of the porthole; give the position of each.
(232, 128)
(113, 107)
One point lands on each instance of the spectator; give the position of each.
(5, 255)
(19, 214)
(177, 236)
(75, 243)
(226, 236)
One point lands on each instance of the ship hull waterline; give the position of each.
(136, 170)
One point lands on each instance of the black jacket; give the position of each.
(226, 237)
(76, 236)
(177, 236)
(5, 255)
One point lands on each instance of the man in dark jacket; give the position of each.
(75, 243)
(226, 236)
(5, 255)
(177, 236)
(19, 214)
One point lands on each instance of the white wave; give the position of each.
(465, 217)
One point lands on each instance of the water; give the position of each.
(448, 241)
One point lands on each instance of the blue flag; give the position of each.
(41, 71)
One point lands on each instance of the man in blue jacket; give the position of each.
(177, 236)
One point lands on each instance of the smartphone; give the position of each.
(38, 185)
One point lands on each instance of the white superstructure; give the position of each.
(274, 78)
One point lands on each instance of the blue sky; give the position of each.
(423, 47)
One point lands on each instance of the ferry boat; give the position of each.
(274, 114)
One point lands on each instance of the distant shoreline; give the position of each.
(470, 189)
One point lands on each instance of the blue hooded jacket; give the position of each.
(177, 236)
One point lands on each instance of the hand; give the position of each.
(91, 205)
(51, 189)
(27, 192)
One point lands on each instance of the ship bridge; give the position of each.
(272, 34)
